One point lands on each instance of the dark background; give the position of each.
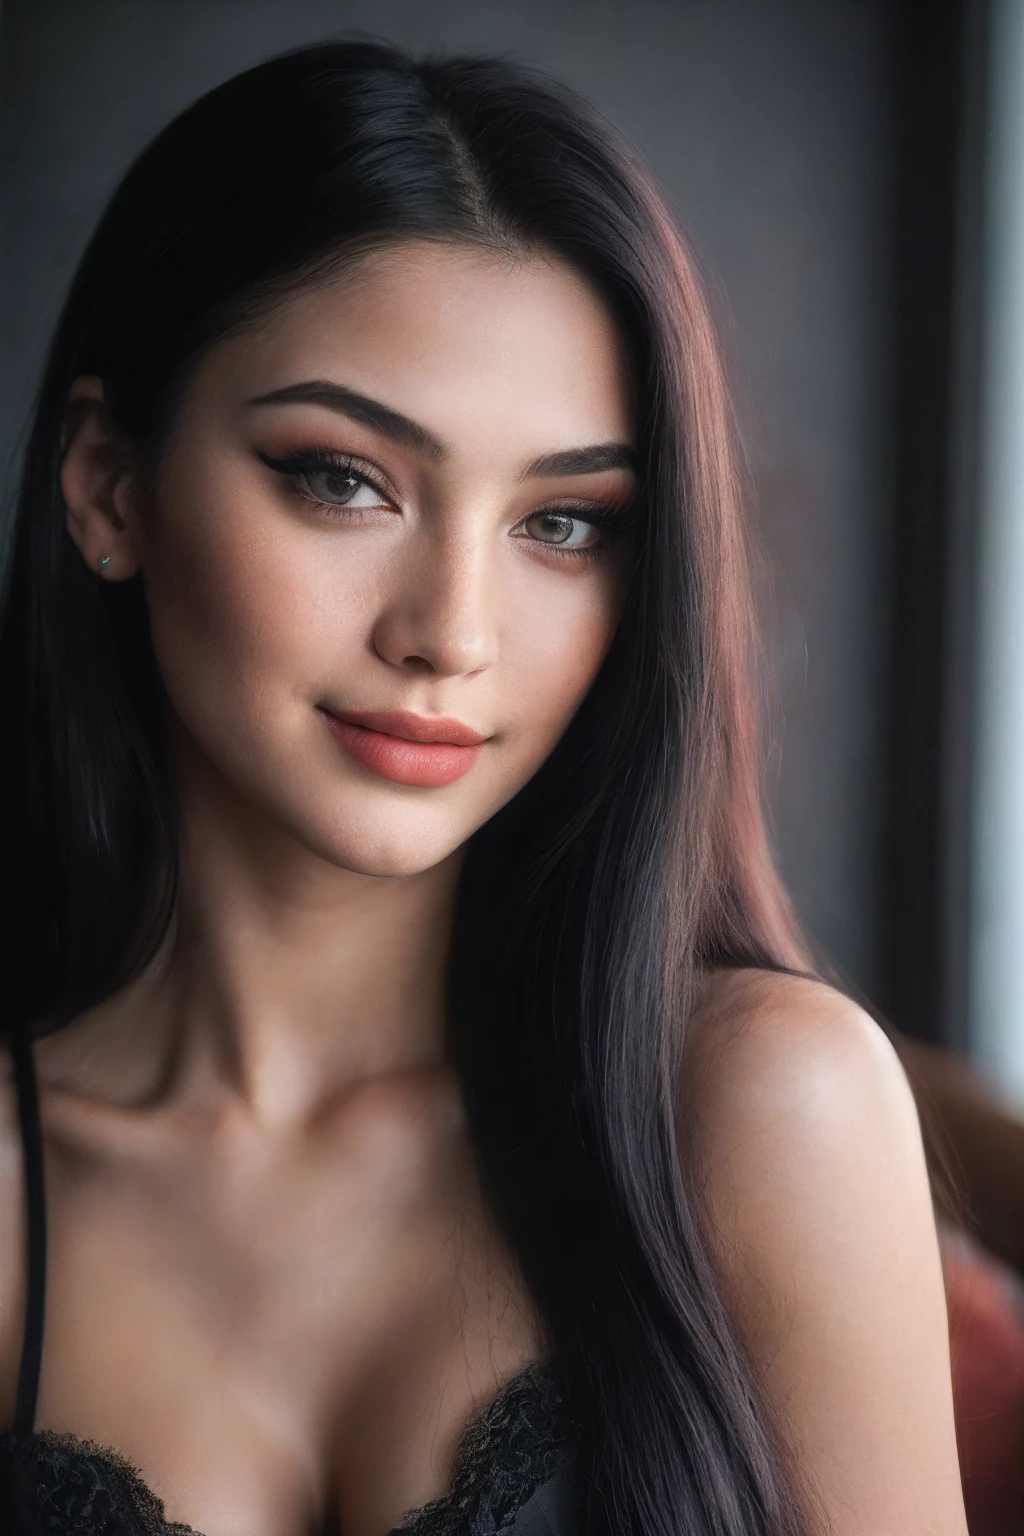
(820, 154)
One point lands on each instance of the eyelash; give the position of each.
(319, 461)
(610, 525)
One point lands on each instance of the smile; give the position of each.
(406, 748)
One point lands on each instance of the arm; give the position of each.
(804, 1142)
(12, 1240)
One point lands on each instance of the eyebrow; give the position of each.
(348, 402)
(409, 434)
(584, 461)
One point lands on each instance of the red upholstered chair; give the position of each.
(979, 1144)
(986, 1327)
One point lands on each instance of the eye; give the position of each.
(340, 488)
(561, 529)
(329, 480)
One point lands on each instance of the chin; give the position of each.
(391, 832)
(388, 864)
(394, 852)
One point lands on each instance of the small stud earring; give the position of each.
(102, 563)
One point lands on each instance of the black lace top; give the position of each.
(512, 1470)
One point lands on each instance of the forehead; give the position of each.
(476, 345)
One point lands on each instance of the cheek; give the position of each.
(245, 612)
(558, 636)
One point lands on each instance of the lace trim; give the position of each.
(56, 1485)
(507, 1452)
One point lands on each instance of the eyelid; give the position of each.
(306, 461)
(600, 514)
(609, 523)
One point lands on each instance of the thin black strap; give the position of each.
(35, 1306)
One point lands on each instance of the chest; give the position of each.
(269, 1336)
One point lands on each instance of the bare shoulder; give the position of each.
(799, 1134)
(804, 1152)
(789, 1059)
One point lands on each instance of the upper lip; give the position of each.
(435, 729)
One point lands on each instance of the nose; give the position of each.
(443, 616)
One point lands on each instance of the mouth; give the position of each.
(426, 752)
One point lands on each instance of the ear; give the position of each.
(96, 485)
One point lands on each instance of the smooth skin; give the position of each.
(274, 1280)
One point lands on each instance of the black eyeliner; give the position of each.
(307, 460)
(312, 461)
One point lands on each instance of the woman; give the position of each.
(434, 1126)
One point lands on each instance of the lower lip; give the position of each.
(424, 764)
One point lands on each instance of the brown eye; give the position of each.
(561, 530)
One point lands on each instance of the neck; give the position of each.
(285, 980)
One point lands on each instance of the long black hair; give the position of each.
(636, 858)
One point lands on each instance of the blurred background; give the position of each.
(850, 174)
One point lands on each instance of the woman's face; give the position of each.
(381, 558)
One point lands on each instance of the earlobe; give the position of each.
(94, 481)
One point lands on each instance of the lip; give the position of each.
(425, 751)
